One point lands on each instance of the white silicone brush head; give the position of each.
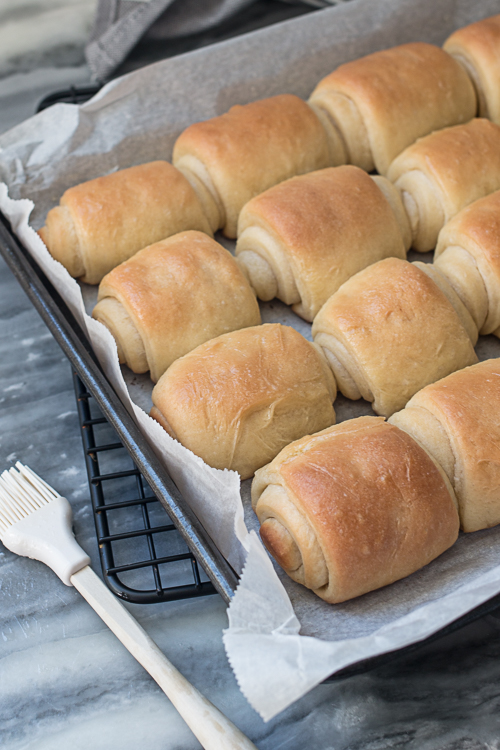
(35, 521)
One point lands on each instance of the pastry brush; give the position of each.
(35, 521)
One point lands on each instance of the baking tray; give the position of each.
(75, 345)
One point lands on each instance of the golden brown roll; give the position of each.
(391, 329)
(457, 421)
(383, 102)
(300, 240)
(171, 297)
(354, 508)
(477, 48)
(237, 400)
(444, 172)
(231, 158)
(103, 222)
(468, 253)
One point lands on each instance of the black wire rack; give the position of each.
(143, 557)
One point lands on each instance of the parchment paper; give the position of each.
(137, 119)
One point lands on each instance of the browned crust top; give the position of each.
(457, 159)
(467, 403)
(402, 93)
(250, 132)
(162, 283)
(477, 229)
(390, 75)
(107, 203)
(237, 373)
(378, 503)
(400, 328)
(481, 38)
(312, 214)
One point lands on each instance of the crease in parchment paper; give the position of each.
(281, 640)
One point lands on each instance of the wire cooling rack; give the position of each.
(143, 557)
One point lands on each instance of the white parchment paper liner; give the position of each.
(137, 119)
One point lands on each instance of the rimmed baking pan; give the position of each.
(75, 345)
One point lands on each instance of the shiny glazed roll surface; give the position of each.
(477, 48)
(457, 420)
(171, 297)
(237, 400)
(468, 254)
(234, 157)
(383, 102)
(300, 240)
(353, 508)
(444, 172)
(103, 222)
(392, 329)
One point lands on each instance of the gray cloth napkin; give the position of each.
(119, 24)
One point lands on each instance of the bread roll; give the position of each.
(103, 222)
(457, 421)
(383, 102)
(354, 508)
(231, 158)
(468, 253)
(477, 48)
(300, 240)
(237, 400)
(444, 172)
(391, 329)
(171, 297)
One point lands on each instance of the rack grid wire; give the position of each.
(143, 557)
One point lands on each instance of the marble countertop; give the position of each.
(66, 682)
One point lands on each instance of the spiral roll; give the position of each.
(457, 421)
(300, 240)
(353, 508)
(476, 48)
(237, 400)
(392, 329)
(171, 297)
(101, 223)
(444, 172)
(468, 254)
(234, 157)
(383, 102)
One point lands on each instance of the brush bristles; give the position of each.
(22, 492)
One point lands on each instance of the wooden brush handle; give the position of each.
(213, 730)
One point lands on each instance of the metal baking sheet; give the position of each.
(289, 74)
(74, 344)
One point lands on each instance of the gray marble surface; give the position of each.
(66, 682)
